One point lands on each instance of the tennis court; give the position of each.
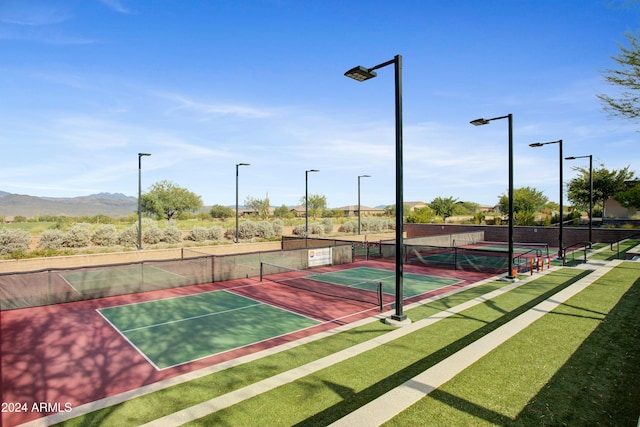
(413, 284)
(173, 331)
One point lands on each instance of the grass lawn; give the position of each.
(579, 365)
(588, 376)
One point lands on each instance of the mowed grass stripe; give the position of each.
(167, 401)
(329, 394)
(579, 365)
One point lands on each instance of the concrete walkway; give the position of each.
(395, 401)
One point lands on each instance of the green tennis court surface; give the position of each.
(123, 277)
(413, 284)
(173, 331)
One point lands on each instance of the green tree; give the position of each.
(316, 204)
(221, 212)
(443, 206)
(165, 199)
(525, 199)
(261, 206)
(421, 216)
(606, 184)
(627, 79)
(630, 197)
(283, 212)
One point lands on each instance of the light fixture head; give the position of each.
(243, 164)
(360, 73)
(479, 122)
(144, 154)
(536, 144)
(570, 158)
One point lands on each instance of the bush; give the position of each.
(172, 234)
(13, 240)
(78, 236)
(152, 235)
(247, 230)
(349, 227)
(264, 230)
(198, 234)
(104, 235)
(215, 233)
(327, 226)
(129, 236)
(51, 239)
(299, 230)
(278, 227)
(316, 229)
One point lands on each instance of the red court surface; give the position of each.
(61, 356)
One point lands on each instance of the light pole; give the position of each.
(590, 156)
(140, 155)
(360, 176)
(239, 164)
(360, 74)
(559, 142)
(306, 203)
(479, 122)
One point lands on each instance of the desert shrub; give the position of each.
(264, 230)
(152, 235)
(327, 226)
(78, 236)
(13, 240)
(299, 230)
(198, 234)
(104, 235)
(349, 227)
(230, 233)
(51, 239)
(247, 230)
(172, 234)
(129, 236)
(316, 229)
(216, 233)
(278, 227)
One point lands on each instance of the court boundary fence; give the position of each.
(54, 285)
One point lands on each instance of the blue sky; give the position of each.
(203, 85)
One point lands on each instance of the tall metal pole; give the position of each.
(360, 73)
(591, 200)
(590, 156)
(140, 155)
(510, 275)
(480, 122)
(561, 204)
(237, 165)
(561, 224)
(399, 314)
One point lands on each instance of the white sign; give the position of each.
(320, 256)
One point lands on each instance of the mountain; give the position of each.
(114, 205)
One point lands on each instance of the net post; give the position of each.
(380, 301)
(261, 269)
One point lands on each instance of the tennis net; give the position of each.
(330, 284)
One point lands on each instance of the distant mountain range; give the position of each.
(111, 204)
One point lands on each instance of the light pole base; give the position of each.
(509, 279)
(397, 321)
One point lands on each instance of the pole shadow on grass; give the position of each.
(372, 392)
(598, 384)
